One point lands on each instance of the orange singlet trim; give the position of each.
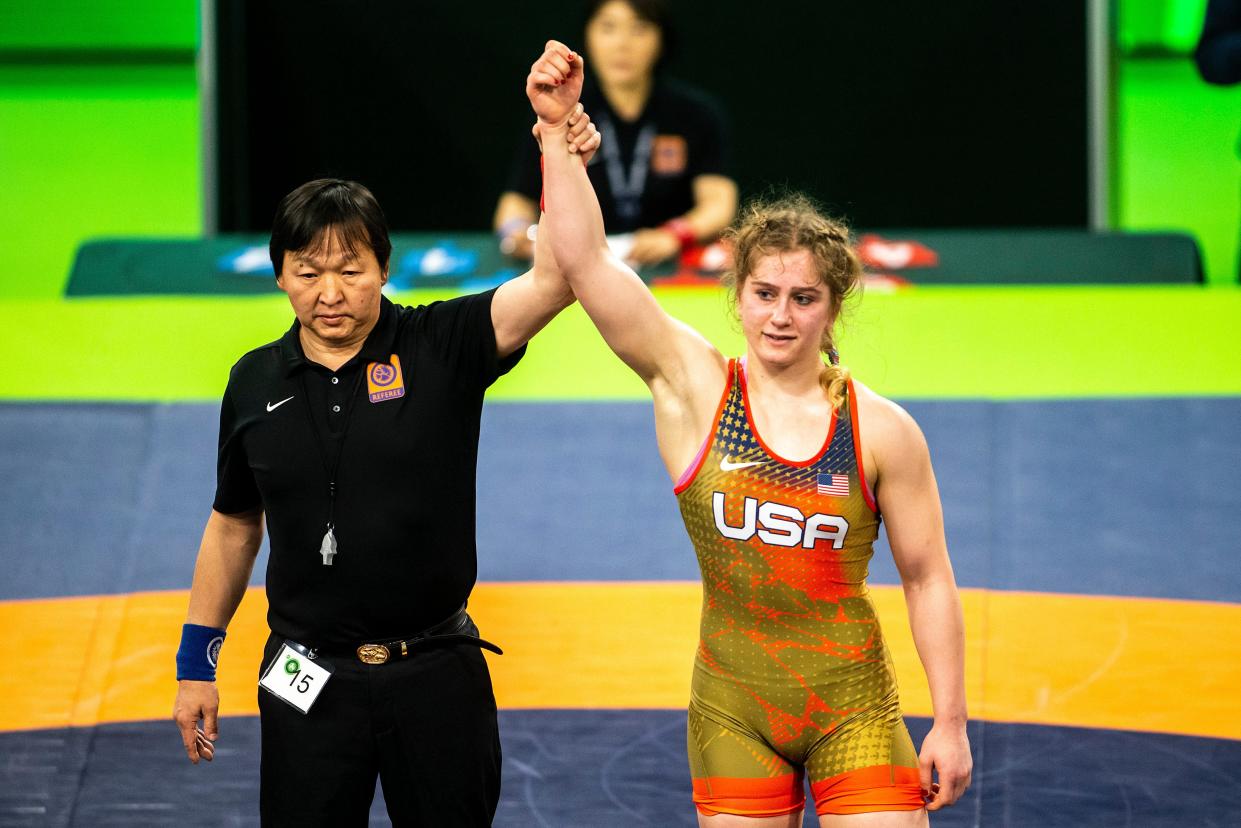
(877, 788)
(770, 796)
(691, 471)
(857, 451)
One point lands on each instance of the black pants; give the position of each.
(426, 725)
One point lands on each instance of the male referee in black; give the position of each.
(355, 437)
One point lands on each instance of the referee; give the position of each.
(355, 437)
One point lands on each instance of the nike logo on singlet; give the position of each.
(273, 406)
(728, 465)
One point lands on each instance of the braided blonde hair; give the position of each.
(794, 222)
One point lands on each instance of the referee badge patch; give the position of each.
(384, 380)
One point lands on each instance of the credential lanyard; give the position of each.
(626, 190)
(327, 548)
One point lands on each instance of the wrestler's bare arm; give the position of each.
(684, 372)
(523, 306)
(898, 463)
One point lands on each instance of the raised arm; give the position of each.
(900, 465)
(631, 321)
(684, 372)
(523, 306)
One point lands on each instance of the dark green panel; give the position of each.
(98, 24)
(239, 265)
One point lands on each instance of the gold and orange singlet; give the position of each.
(791, 676)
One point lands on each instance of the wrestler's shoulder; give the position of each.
(881, 419)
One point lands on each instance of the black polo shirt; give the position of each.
(687, 138)
(404, 508)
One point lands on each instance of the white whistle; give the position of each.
(328, 548)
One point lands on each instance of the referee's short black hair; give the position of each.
(346, 208)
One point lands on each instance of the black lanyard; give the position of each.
(331, 469)
(626, 190)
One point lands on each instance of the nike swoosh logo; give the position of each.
(273, 406)
(727, 465)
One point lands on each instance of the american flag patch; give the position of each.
(834, 485)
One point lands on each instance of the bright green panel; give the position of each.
(973, 342)
(93, 151)
(1183, 23)
(98, 24)
(1173, 25)
(1177, 163)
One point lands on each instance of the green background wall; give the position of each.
(1158, 26)
(1177, 164)
(99, 131)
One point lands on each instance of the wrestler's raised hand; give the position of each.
(555, 83)
(584, 139)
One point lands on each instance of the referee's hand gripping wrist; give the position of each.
(580, 134)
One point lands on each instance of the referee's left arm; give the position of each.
(226, 557)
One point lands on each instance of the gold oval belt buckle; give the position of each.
(373, 654)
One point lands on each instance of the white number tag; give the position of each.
(294, 677)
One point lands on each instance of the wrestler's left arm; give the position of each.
(908, 498)
(523, 306)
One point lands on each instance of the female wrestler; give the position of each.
(782, 466)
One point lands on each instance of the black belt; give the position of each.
(456, 629)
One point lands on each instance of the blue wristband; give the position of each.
(199, 652)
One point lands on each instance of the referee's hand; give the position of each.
(584, 138)
(197, 700)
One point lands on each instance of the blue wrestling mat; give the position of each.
(1104, 497)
